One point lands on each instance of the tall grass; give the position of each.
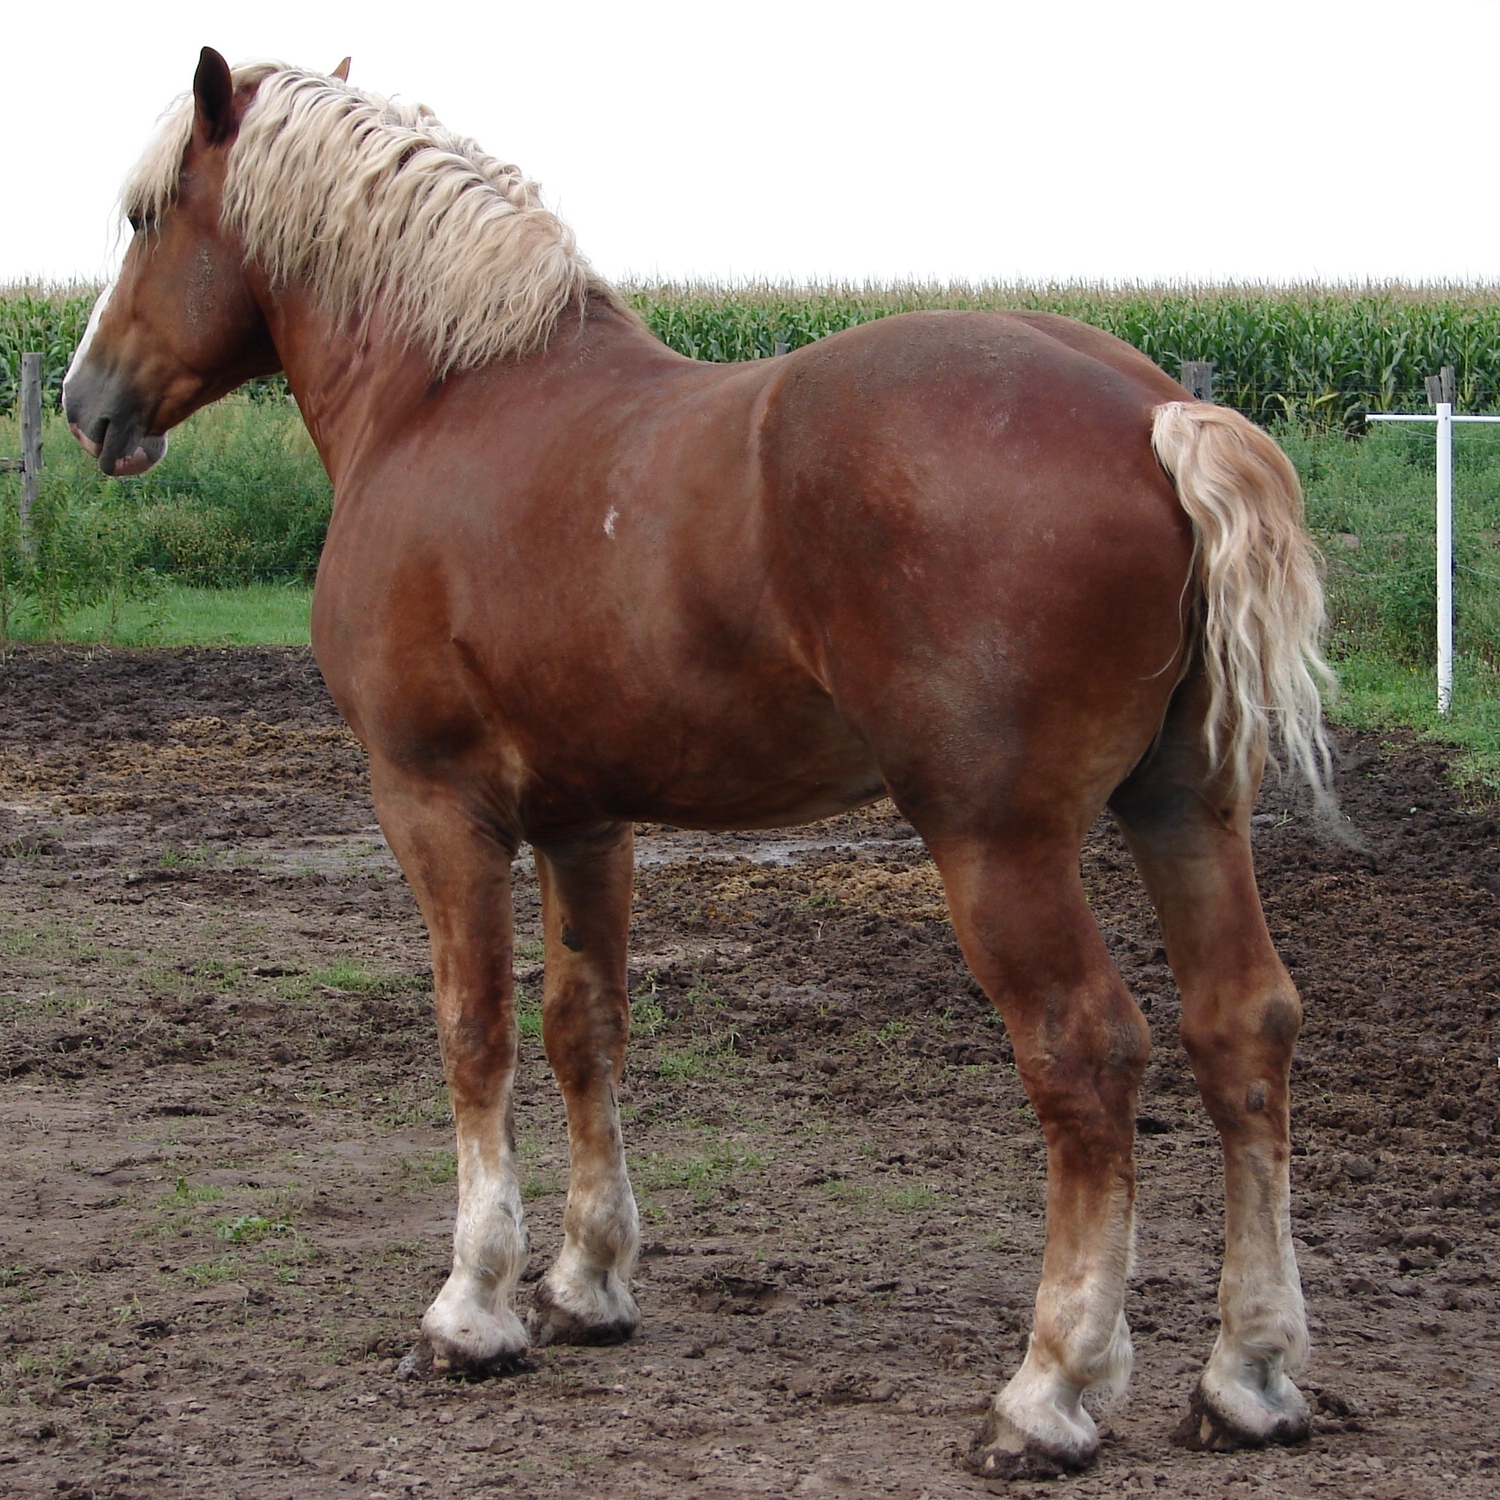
(241, 497)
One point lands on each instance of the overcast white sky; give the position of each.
(820, 139)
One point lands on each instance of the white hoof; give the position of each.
(1243, 1404)
(465, 1338)
(592, 1309)
(1038, 1428)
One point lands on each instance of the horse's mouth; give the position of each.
(118, 457)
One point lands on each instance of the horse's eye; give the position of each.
(135, 222)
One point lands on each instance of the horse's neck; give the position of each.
(342, 381)
(353, 388)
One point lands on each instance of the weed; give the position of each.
(647, 1017)
(184, 1194)
(129, 1312)
(246, 1229)
(915, 1198)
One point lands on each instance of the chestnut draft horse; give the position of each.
(994, 565)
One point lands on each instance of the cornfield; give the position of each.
(1311, 354)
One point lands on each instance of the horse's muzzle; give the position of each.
(109, 424)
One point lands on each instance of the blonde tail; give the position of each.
(1262, 611)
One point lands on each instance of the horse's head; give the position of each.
(180, 326)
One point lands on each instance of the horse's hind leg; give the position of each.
(1190, 833)
(1081, 1046)
(585, 1296)
(460, 873)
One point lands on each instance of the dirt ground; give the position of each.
(229, 1177)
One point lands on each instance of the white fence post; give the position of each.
(1445, 556)
(1440, 391)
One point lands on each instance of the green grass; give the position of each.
(1376, 693)
(701, 1173)
(257, 614)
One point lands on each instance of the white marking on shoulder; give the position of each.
(611, 516)
(100, 303)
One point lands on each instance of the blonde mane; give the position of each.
(361, 200)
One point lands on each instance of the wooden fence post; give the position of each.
(1198, 377)
(31, 441)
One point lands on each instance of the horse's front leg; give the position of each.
(459, 869)
(585, 1296)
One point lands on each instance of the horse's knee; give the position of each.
(1082, 1067)
(479, 1058)
(584, 1033)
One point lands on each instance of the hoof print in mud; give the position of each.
(1206, 1430)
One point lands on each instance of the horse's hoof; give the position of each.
(552, 1323)
(425, 1362)
(1208, 1428)
(1000, 1450)
(465, 1342)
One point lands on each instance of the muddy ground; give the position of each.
(229, 1178)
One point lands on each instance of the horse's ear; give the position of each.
(213, 97)
(342, 71)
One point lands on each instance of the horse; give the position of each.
(996, 566)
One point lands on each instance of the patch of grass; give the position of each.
(699, 1172)
(852, 1194)
(408, 1107)
(247, 1229)
(438, 1167)
(528, 1013)
(541, 1182)
(1377, 693)
(348, 975)
(207, 1272)
(184, 1194)
(912, 1199)
(256, 614)
(718, 1053)
(647, 1018)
